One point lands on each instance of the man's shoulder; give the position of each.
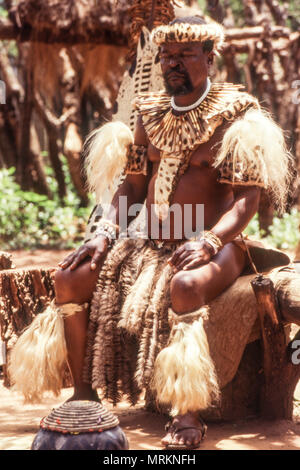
(148, 100)
(230, 101)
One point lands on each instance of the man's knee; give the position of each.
(186, 292)
(76, 286)
(65, 285)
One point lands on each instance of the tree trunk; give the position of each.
(9, 112)
(54, 151)
(52, 125)
(23, 294)
(278, 11)
(232, 68)
(250, 13)
(7, 142)
(73, 141)
(24, 167)
(30, 173)
(5, 260)
(215, 10)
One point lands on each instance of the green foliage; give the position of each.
(237, 8)
(202, 5)
(284, 231)
(31, 220)
(12, 49)
(3, 10)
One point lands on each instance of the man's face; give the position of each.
(184, 67)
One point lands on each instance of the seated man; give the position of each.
(195, 144)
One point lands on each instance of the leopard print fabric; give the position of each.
(136, 160)
(240, 174)
(180, 32)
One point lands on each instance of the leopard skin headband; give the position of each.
(185, 32)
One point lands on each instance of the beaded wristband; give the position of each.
(108, 229)
(212, 240)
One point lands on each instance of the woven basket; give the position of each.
(79, 416)
(80, 425)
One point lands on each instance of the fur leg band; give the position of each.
(184, 373)
(38, 359)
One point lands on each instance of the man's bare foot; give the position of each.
(184, 432)
(84, 392)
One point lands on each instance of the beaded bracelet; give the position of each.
(108, 229)
(212, 240)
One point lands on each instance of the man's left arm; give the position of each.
(193, 254)
(253, 154)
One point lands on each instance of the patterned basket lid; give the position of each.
(79, 416)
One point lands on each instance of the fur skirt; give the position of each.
(129, 318)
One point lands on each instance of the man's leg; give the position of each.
(189, 291)
(77, 287)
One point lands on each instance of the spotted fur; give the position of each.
(239, 174)
(137, 160)
(182, 32)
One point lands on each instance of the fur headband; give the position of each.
(185, 32)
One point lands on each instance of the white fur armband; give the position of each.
(106, 157)
(253, 152)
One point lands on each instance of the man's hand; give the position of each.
(191, 255)
(96, 249)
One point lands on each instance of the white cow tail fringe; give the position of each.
(105, 152)
(37, 361)
(184, 374)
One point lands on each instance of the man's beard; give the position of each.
(184, 89)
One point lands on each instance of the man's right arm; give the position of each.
(134, 188)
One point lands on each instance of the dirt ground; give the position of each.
(19, 422)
